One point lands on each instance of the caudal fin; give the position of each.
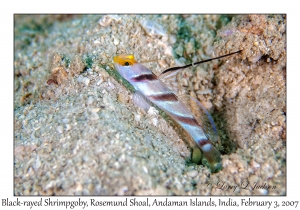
(213, 157)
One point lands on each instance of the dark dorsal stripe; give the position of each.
(164, 97)
(144, 77)
(202, 142)
(186, 120)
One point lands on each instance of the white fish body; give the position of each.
(154, 90)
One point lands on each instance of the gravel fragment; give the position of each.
(85, 81)
(192, 173)
(60, 129)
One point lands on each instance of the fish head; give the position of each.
(128, 67)
(123, 64)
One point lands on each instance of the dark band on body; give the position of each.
(186, 120)
(202, 142)
(144, 77)
(164, 97)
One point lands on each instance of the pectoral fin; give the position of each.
(140, 101)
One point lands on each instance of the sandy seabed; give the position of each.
(77, 131)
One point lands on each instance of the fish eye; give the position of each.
(126, 63)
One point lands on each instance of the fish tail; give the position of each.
(212, 155)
